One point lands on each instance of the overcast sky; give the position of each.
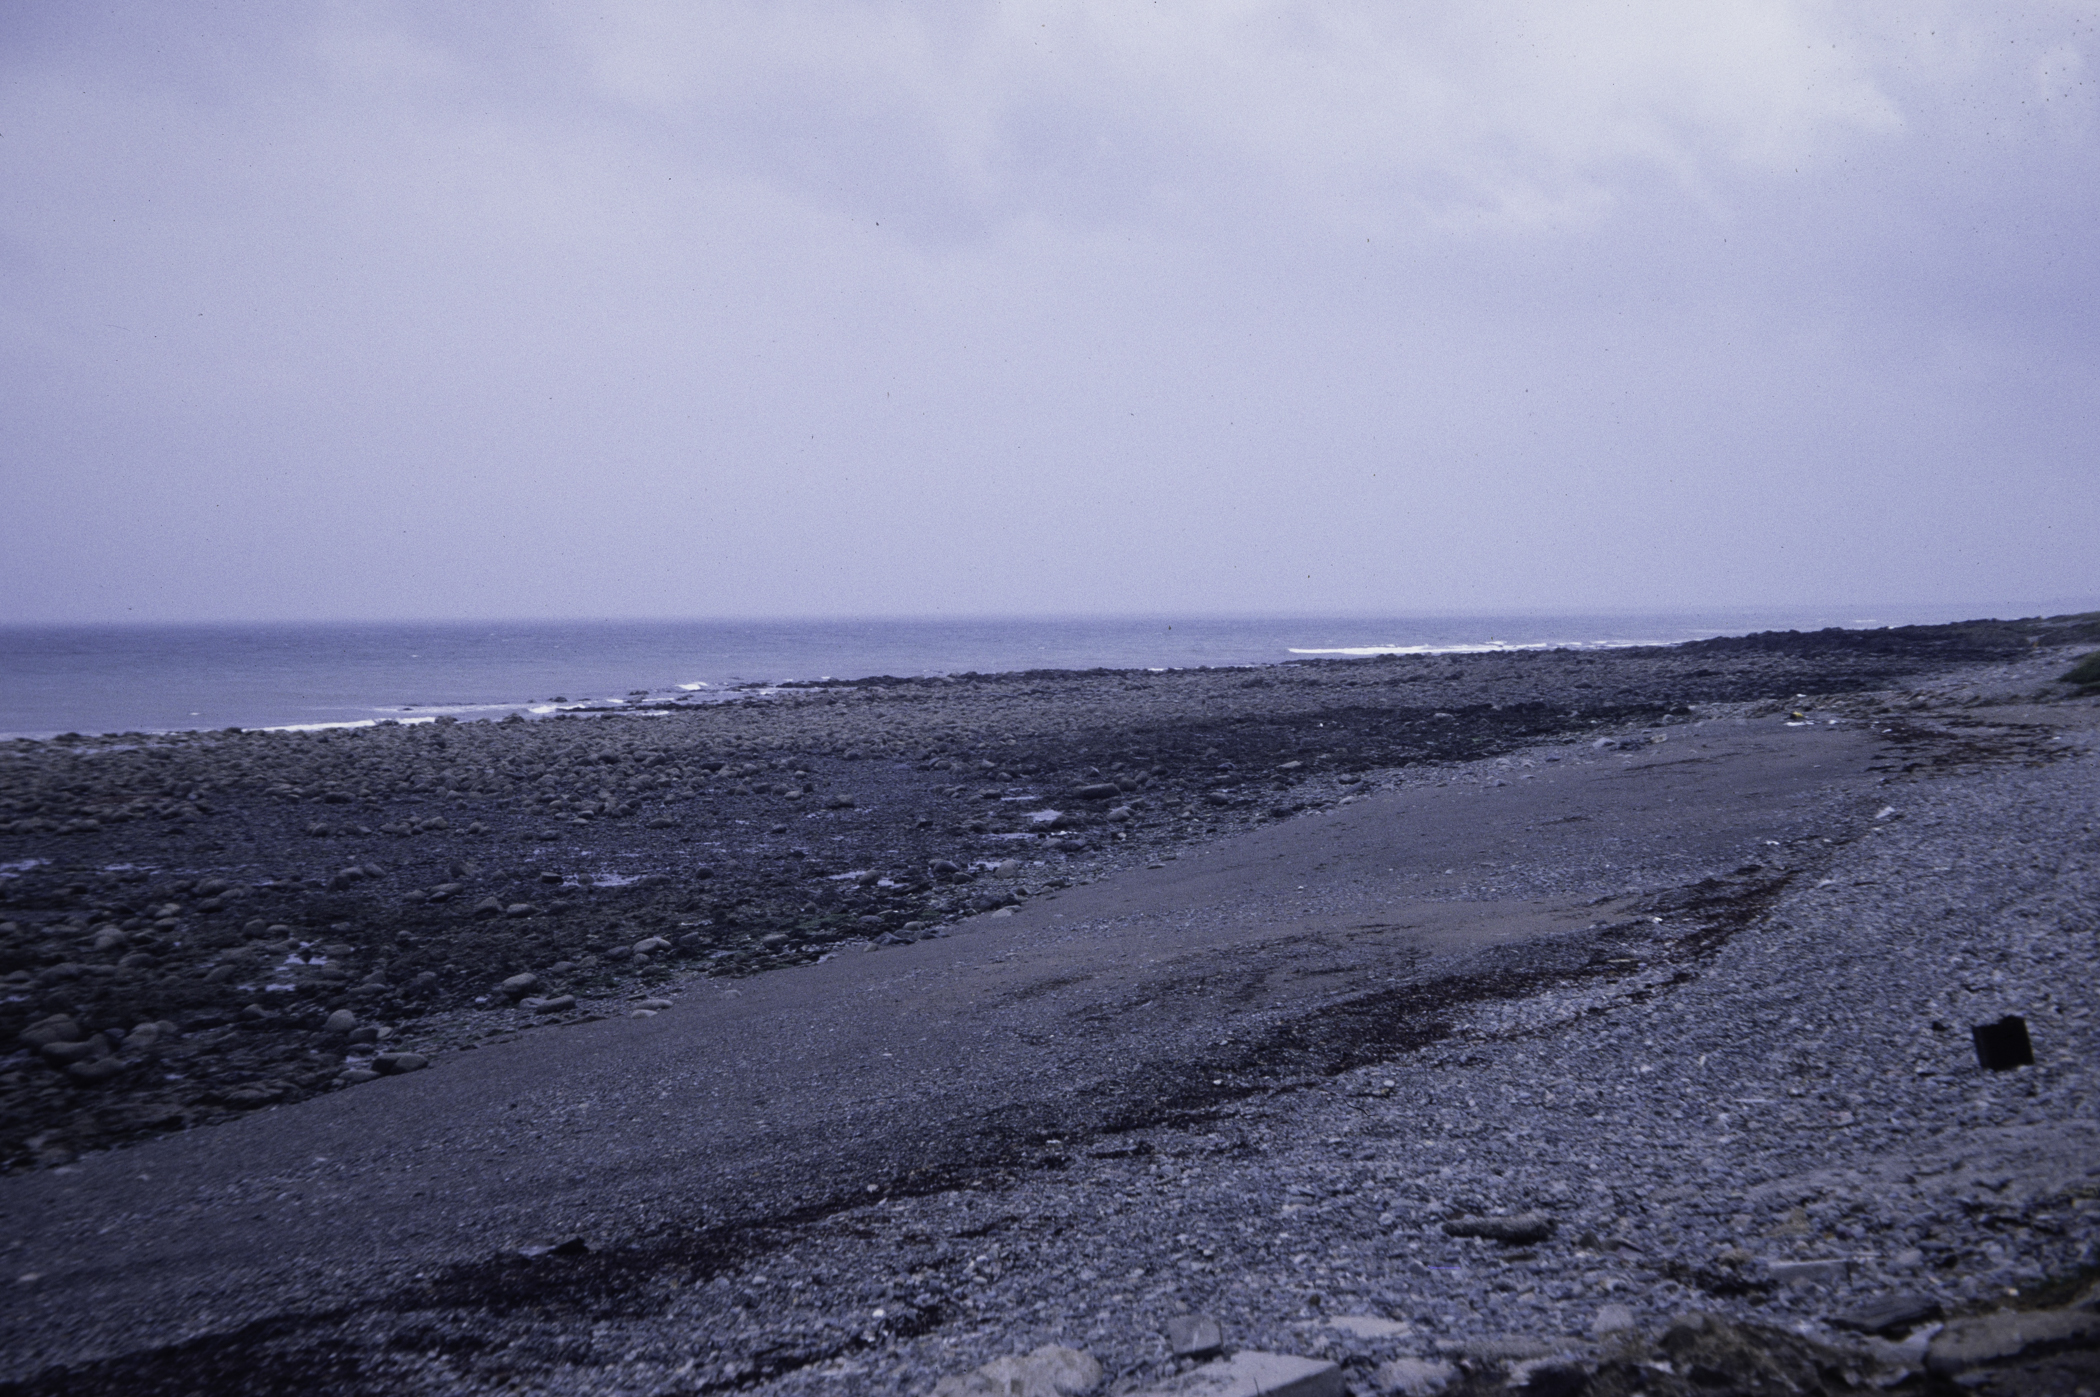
(429, 310)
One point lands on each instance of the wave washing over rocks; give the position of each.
(1728, 1130)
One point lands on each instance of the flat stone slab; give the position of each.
(1613, 1319)
(1190, 1336)
(1888, 1315)
(1526, 1227)
(1050, 1371)
(1967, 1343)
(1371, 1326)
(1252, 1374)
(1829, 1272)
(1415, 1377)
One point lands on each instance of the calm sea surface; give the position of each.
(111, 679)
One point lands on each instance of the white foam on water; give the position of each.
(348, 723)
(17, 867)
(452, 709)
(1486, 647)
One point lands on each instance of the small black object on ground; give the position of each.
(2003, 1045)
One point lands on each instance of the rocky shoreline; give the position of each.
(199, 926)
(193, 910)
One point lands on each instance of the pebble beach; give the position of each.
(1748, 1111)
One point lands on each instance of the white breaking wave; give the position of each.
(1482, 647)
(345, 723)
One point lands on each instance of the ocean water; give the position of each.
(139, 678)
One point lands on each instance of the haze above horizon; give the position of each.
(434, 313)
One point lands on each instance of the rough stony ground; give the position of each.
(1797, 1129)
(1773, 1115)
(236, 889)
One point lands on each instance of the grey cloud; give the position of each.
(701, 310)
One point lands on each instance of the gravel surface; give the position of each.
(235, 890)
(1753, 1095)
(1798, 1130)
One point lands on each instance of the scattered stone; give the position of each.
(1711, 1353)
(353, 1076)
(1371, 1326)
(1250, 1373)
(67, 1054)
(652, 1004)
(1891, 1314)
(559, 1004)
(58, 1028)
(1413, 1377)
(1821, 1272)
(394, 1064)
(1523, 1228)
(518, 986)
(1050, 1371)
(341, 1021)
(96, 1071)
(261, 1094)
(1194, 1336)
(1612, 1319)
(1969, 1343)
(1559, 1376)
(1503, 1350)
